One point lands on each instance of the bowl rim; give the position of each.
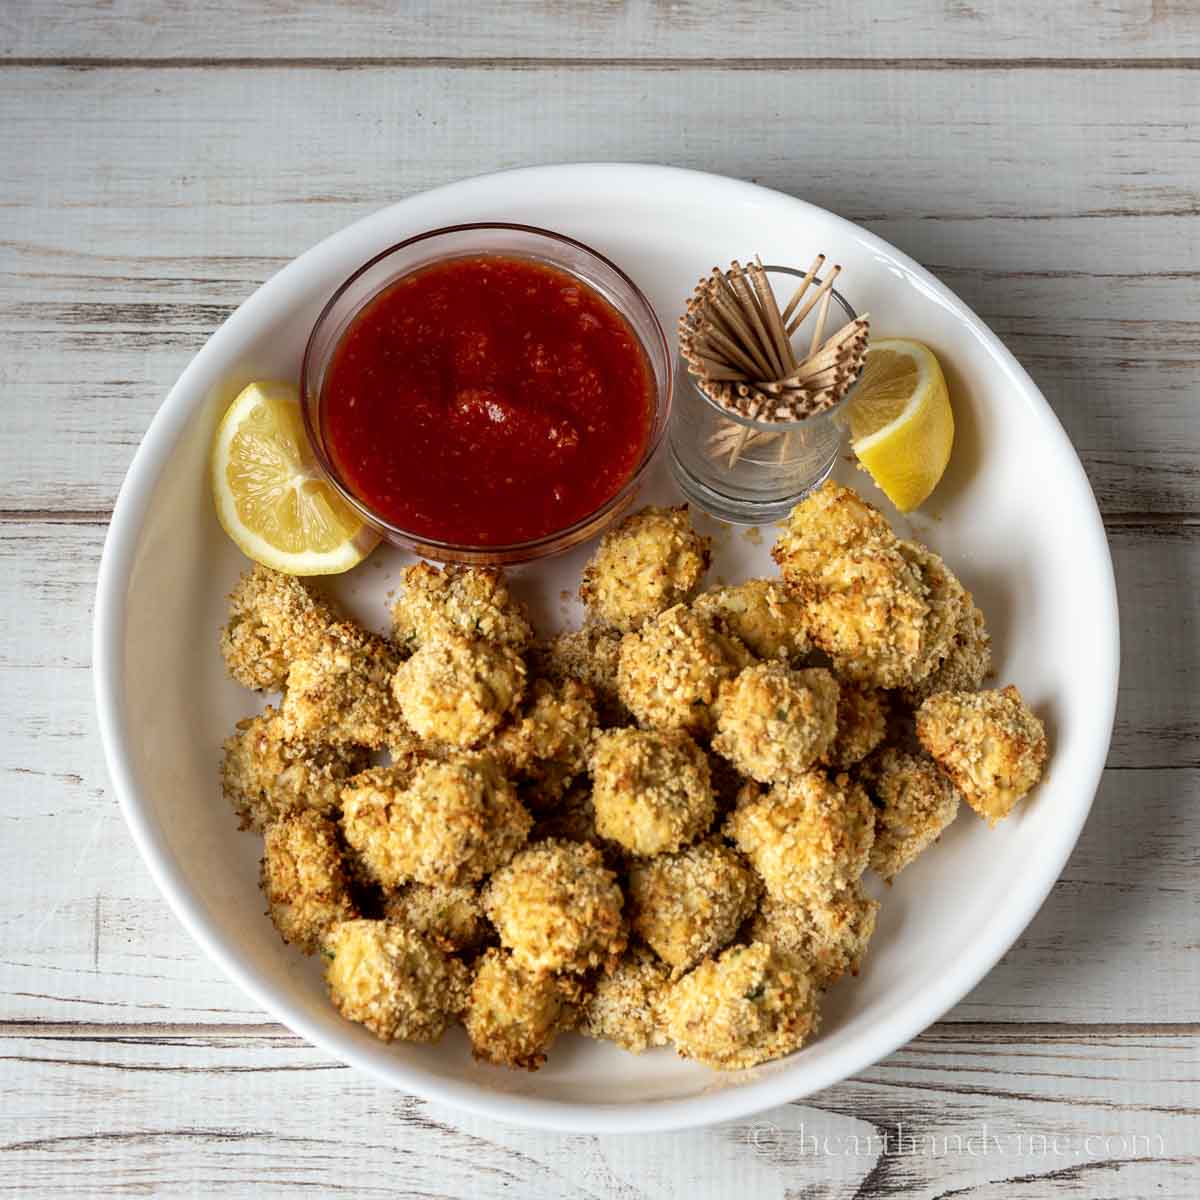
(533, 548)
(705, 1108)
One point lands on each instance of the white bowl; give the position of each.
(1014, 516)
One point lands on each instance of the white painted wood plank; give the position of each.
(981, 1112)
(596, 28)
(84, 935)
(138, 221)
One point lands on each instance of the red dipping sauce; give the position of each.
(486, 401)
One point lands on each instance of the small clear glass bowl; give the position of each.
(509, 241)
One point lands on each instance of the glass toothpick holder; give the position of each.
(750, 472)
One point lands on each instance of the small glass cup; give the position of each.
(750, 472)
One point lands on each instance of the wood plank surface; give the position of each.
(976, 1111)
(588, 29)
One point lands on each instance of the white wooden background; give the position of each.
(158, 161)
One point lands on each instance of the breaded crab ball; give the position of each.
(625, 1007)
(652, 560)
(862, 722)
(670, 672)
(767, 617)
(547, 744)
(967, 664)
(914, 803)
(651, 790)
(341, 691)
(393, 981)
(514, 1014)
(773, 722)
(472, 602)
(829, 934)
(457, 690)
(688, 906)
(304, 880)
(589, 655)
(557, 907)
(264, 775)
(990, 744)
(867, 605)
(948, 600)
(753, 1004)
(273, 620)
(808, 836)
(449, 916)
(447, 823)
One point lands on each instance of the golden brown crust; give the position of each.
(625, 1007)
(264, 775)
(690, 905)
(990, 743)
(807, 837)
(514, 1015)
(829, 933)
(670, 672)
(752, 1004)
(471, 602)
(449, 916)
(914, 803)
(768, 618)
(967, 663)
(458, 690)
(590, 655)
(547, 744)
(341, 691)
(273, 620)
(393, 981)
(652, 560)
(862, 724)
(557, 907)
(449, 823)
(773, 721)
(650, 790)
(304, 880)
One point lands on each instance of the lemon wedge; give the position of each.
(270, 494)
(901, 423)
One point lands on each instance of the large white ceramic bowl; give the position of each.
(1014, 516)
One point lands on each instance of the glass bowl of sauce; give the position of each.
(487, 393)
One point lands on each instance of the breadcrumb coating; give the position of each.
(914, 803)
(264, 775)
(652, 560)
(829, 933)
(457, 690)
(273, 620)
(669, 673)
(862, 724)
(557, 907)
(590, 655)
(304, 880)
(967, 663)
(688, 906)
(948, 601)
(625, 1007)
(753, 1004)
(340, 692)
(447, 823)
(472, 602)
(548, 742)
(989, 743)
(763, 614)
(393, 981)
(808, 836)
(773, 721)
(451, 917)
(650, 789)
(514, 1014)
(867, 605)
